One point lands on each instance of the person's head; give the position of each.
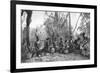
(71, 40)
(60, 38)
(82, 34)
(47, 39)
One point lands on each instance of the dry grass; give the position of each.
(57, 57)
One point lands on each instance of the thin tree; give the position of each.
(28, 20)
(77, 22)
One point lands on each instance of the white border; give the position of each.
(20, 65)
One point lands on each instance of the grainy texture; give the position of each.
(48, 36)
(57, 57)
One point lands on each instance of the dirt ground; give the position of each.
(56, 57)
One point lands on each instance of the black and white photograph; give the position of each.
(50, 36)
(53, 35)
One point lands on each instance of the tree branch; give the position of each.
(77, 23)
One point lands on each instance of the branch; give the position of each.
(49, 15)
(77, 23)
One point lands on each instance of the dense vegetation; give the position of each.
(57, 36)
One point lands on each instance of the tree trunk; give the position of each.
(28, 20)
(69, 27)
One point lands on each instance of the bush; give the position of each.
(86, 50)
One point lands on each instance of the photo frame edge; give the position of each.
(13, 38)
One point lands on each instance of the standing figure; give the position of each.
(56, 46)
(60, 45)
(52, 49)
(67, 47)
(35, 51)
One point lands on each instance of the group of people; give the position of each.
(58, 45)
(49, 46)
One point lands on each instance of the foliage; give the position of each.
(58, 30)
(57, 25)
(85, 24)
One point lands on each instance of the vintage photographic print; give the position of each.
(52, 36)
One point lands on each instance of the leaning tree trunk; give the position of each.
(70, 33)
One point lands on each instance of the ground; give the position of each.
(57, 57)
